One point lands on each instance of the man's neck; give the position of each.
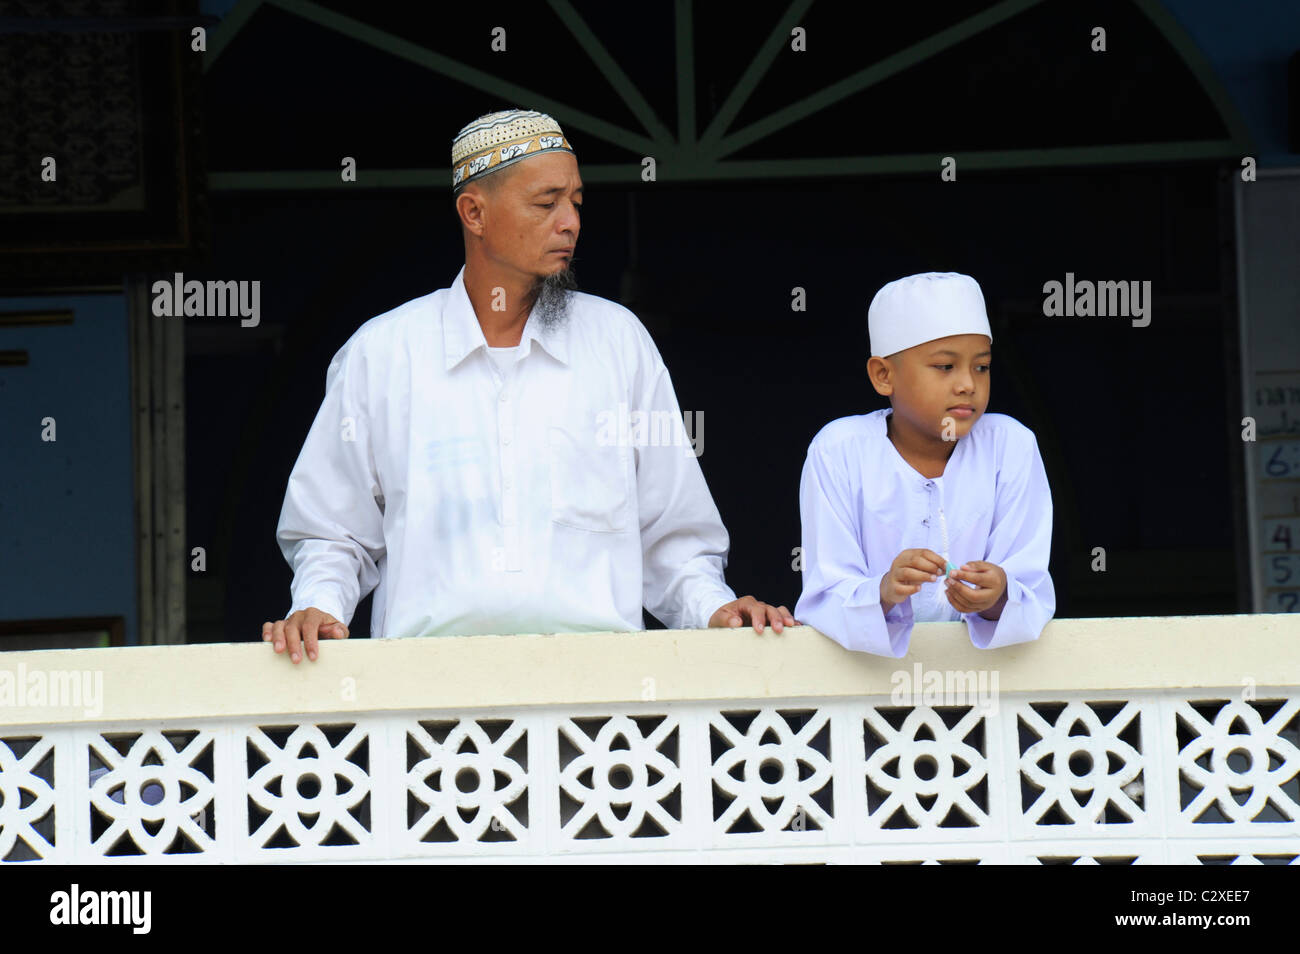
(501, 300)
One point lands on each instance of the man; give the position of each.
(462, 461)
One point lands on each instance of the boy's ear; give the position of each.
(881, 376)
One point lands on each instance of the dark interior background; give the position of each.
(1138, 427)
(1133, 423)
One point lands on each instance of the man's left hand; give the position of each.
(990, 594)
(749, 610)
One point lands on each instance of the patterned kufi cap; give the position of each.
(496, 140)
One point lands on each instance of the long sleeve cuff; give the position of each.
(324, 602)
(857, 621)
(1021, 621)
(704, 606)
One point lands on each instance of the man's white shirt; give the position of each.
(475, 501)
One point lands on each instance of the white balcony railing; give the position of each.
(1110, 740)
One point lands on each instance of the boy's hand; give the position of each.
(990, 594)
(909, 570)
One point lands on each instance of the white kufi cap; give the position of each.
(921, 308)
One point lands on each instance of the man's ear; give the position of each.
(881, 374)
(471, 207)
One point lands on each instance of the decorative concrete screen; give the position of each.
(1123, 741)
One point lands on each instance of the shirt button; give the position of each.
(503, 397)
(506, 439)
(507, 483)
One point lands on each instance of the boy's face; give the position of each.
(940, 387)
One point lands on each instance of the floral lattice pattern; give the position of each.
(771, 771)
(468, 781)
(26, 798)
(152, 793)
(619, 777)
(308, 785)
(926, 767)
(1239, 761)
(1081, 763)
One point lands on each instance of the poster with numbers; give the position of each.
(1268, 276)
(1277, 491)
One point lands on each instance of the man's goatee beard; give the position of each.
(554, 295)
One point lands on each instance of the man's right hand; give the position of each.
(910, 569)
(303, 628)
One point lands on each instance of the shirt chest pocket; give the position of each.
(590, 487)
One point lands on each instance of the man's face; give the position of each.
(532, 222)
(943, 384)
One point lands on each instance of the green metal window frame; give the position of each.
(689, 155)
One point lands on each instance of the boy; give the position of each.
(930, 509)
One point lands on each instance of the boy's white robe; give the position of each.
(861, 505)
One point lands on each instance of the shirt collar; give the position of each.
(462, 334)
(907, 469)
